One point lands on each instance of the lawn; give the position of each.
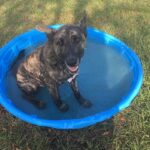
(129, 21)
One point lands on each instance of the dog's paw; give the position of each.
(86, 104)
(63, 107)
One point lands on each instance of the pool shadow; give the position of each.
(98, 136)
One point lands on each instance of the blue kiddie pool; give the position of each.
(110, 76)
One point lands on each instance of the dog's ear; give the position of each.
(83, 23)
(49, 31)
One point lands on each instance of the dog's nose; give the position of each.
(71, 61)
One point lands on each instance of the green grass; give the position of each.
(128, 20)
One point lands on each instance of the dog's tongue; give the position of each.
(73, 69)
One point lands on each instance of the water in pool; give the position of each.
(104, 78)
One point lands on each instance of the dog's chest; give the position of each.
(63, 76)
(72, 77)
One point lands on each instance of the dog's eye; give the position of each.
(60, 42)
(75, 39)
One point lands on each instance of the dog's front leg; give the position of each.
(53, 89)
(79, 97)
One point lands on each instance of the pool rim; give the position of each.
(89, 120)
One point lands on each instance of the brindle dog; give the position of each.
(54, 63)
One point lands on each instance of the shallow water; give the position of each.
(105, 77)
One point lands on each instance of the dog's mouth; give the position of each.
(72, 66)
(73, 69)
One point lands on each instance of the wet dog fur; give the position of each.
(54, 63)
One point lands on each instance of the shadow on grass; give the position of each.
(17, 134)
(97, 137)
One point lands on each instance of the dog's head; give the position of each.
(68, 43)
